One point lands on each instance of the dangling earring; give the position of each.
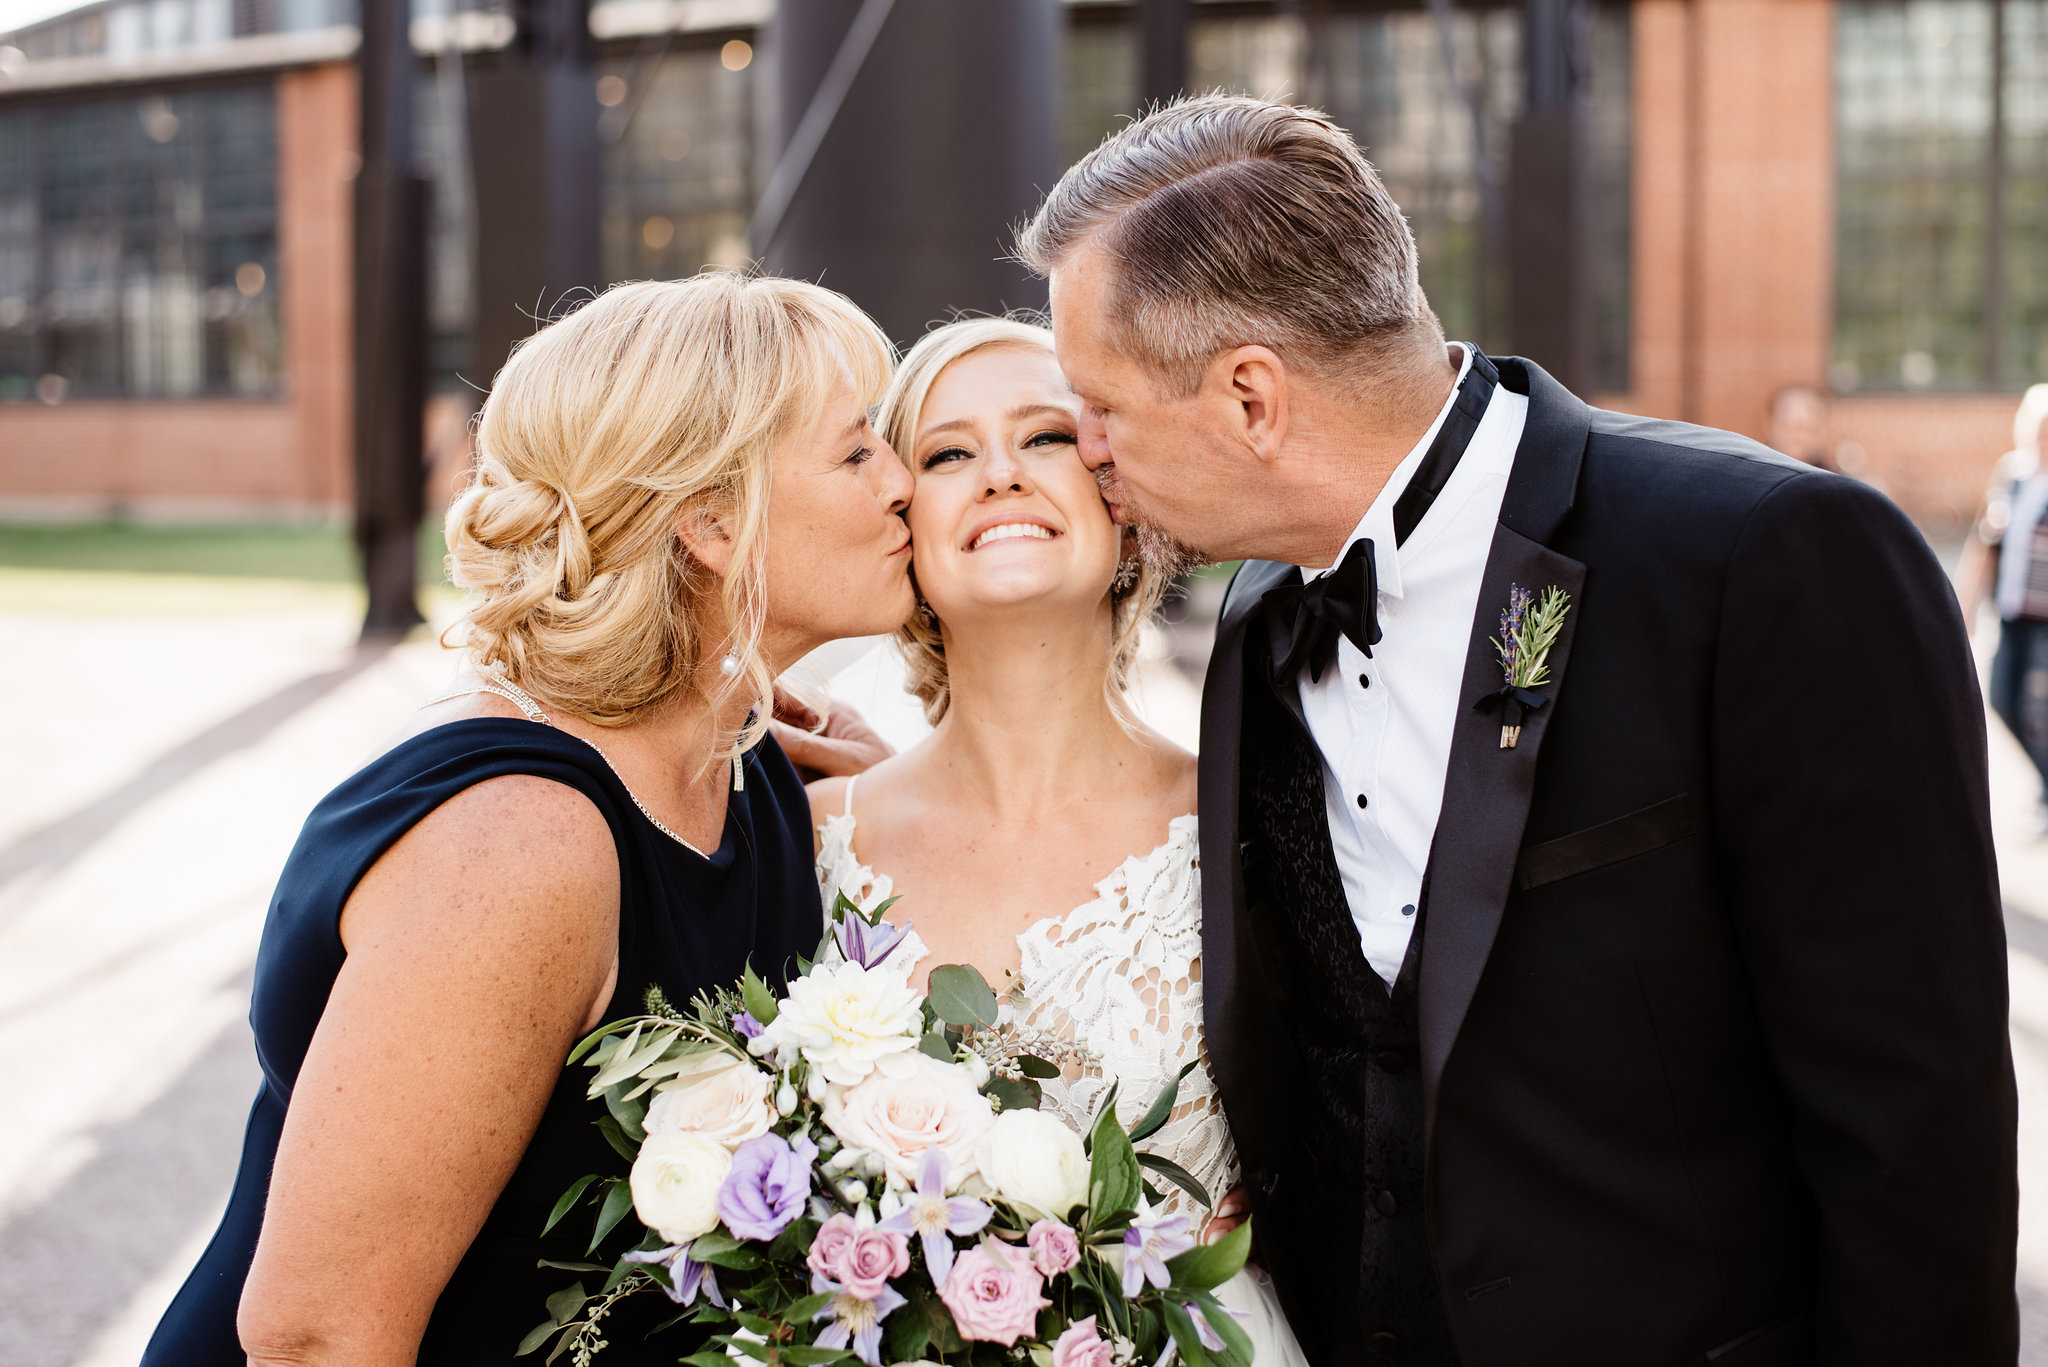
(1126, 575)
(730, 665)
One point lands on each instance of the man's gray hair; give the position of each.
(1231, 222)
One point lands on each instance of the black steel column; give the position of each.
(943, 138)
(1550, 199)
(1162, 50)
(533, 140)
(390, 324)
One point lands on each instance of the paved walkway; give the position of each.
(151, 783)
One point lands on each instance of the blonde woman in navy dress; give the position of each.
(677, 495)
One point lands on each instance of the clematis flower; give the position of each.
(745, 1026)
(855, 1321)
(767, 1187)
(686, 1275)
(868, 944)
(1210, 1339)
(1152, 1238)
(931, 1215)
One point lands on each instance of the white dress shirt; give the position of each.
(1384, 724)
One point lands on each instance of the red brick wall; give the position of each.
(1733, 248)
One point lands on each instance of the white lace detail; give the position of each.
(1121, 973)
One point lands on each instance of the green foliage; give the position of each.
(1176, 1174)
(618, 1199)
(1210, 1265)
(961, 996)
(933, 1044)
(1033, 1066)
(1112, 1170)
(1014, 1094)
(760, 1001)
(568, 1201)
(1156, 1114)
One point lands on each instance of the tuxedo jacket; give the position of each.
(1713, 982)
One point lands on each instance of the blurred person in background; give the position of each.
(1799, 426)
(677, 495)
(2008, 559)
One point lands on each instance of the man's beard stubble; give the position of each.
(1166, 555)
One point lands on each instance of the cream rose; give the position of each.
(1033, 1160)
(846, 1020)
(727, 1100)
(932, 1105)
(675, 1184)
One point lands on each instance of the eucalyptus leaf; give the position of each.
(564, 1304)
(754, 992)
(618, 1199)
(1013, 1095)
(1178, 1175)
(568, 1201)
(1161, 1108)
(934, 1045)
(962, 996)
(1033, 1066)
(535, 1338)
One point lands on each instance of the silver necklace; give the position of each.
(520, 698)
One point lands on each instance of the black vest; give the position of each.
(1359, 1120)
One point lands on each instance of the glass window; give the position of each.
(678, 186)
(1942, 183)
(1381, 74)
(138, 247)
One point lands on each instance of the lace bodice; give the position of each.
(1122, 974)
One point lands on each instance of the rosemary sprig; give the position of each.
(1528, 662)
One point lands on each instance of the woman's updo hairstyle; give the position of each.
(1134, 593)
(654, 402)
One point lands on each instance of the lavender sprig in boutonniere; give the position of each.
(1529, 627)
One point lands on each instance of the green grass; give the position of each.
(115, 568)
(306, 554)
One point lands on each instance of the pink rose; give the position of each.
(868, 1263)
(829, 1248)
(1054, 1249)
(1081, 1346)
(991, 1301)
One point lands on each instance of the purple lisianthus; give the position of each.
(767, 1187)
(866, 942)
(686, 1276)
(746, 1027)
(1151, 1239)
(856, 1323)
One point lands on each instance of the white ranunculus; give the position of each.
(897, 1116)
(675, 1184)
(727, 1100)
(846, 1020)
(1033, 1160)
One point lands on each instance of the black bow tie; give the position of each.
(1303, 621)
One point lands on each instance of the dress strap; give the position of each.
(510, 692)
(853, 779)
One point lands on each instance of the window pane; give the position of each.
(138, 247)
(678, 187)
(2024, 351)
(1913, 130)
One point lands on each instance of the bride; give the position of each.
(1041, 832)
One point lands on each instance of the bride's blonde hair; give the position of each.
(1132, 599)
(655, 402)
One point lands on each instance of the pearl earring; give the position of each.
(730, 665)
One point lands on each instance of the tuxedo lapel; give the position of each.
(1487, 789)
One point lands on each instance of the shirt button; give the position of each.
(1391, 1060)
(1386, 1203)
(1364, 681)
(1408, 910)
(1361, 802)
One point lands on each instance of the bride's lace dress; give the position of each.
(1122, 974)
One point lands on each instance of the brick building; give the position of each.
(1847, 194)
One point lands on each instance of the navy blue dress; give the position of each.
(686, 922)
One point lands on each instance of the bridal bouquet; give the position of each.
(859, 1171)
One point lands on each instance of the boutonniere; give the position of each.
(1529, 627)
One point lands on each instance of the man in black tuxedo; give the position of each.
(1645, 1008)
